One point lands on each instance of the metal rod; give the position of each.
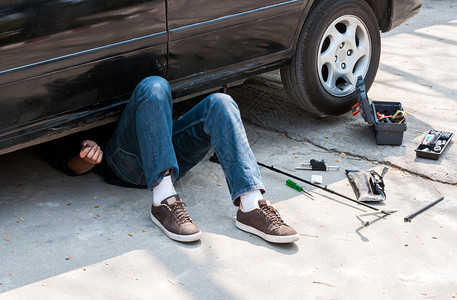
(411, 216)
(318, 186)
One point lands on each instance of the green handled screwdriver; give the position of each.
(295, 186)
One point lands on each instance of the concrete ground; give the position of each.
(79, 238)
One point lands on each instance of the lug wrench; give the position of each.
(359, 216)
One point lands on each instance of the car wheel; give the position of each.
(339, 41)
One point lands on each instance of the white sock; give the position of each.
(164, 190)
(250, 200)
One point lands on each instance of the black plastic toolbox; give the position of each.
(385, 133)
(433, 144)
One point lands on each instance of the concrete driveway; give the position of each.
(79, 238)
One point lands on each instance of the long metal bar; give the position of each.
(318, 186)
(411, 216)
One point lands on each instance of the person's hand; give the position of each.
(91, 152)
(89, 156)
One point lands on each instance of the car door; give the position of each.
(210, 35)
(62, 59)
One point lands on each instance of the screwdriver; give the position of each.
(295, 186)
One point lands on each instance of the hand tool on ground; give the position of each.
(359, 216)
(295, 186)
(317, 165)
(411, 216)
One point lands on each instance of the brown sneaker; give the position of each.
(266, 223)
(171, 216)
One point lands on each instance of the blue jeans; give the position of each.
(147, 142)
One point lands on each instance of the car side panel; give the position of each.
(213, 35)
(74, 56)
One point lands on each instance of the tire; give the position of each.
(339, 41)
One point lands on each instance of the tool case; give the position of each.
(433, 144)
(385, 133)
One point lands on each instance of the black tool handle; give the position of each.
(411, 216)
(318, 165)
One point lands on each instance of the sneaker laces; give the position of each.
(272, 214)
(179, 212)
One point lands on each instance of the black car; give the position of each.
(68, 65)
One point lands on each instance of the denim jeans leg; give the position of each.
(216, 122)
(144, 132)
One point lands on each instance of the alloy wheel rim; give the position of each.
(344, 54)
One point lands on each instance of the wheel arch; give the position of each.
(382, 11)
(381, 8)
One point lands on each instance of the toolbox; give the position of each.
(433, 144)
(388, 118)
